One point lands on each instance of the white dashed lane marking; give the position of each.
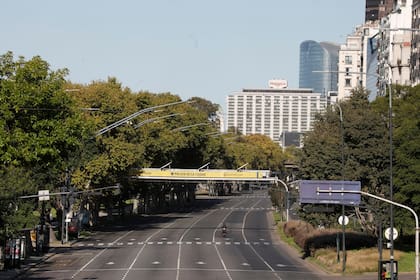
(247, 209)
(202, 243)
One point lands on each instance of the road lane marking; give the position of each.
(215, 245)
(142, 248)
(178, 263)
(97, 255)
(227, 242)
(252, 247)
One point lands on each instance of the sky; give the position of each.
(208, 49)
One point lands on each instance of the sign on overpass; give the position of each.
(203, 175)
(309, 192)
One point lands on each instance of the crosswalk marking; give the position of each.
(219, 243)
(248, 209)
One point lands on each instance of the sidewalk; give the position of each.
(25, 265)
(31, 262)
(370, 276)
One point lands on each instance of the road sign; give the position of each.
(387, 233)
(43, 195)
(309, 192)
(346, 220)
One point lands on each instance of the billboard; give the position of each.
(277, 83)
(309, 192)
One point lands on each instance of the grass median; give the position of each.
(358, 261)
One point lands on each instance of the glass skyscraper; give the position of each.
(316, 56)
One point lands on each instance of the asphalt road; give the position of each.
(185, 245)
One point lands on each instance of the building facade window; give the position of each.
(348, 83)
(348, 70)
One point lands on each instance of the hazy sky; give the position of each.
(187, 47)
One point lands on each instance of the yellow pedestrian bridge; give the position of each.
(203, 175)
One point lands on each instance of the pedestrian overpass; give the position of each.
(202, 175)
(180, 186)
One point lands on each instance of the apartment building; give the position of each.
(394, 57)
(357, 61)
(415, 45)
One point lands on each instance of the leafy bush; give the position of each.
(310, 239)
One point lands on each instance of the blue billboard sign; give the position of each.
(309, 192)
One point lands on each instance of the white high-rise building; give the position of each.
(395, 53)
(273, 112)
(415, 44)
(357, 61)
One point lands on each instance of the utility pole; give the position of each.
(64, 203)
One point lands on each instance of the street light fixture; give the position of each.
(156, 119)
(183, 128)
(134, 115)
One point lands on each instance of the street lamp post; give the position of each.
(391, 192)
(343, 224)
(388, 84)
(287, 198)
(417, 258)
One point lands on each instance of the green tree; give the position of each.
(365, 149)
(40, 130)
(16, 213)
(259, 151)
(406, 140)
